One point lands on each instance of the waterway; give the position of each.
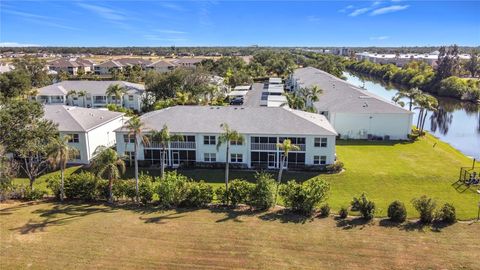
(455, 122)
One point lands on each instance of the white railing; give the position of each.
(263, 146)
(271, 146)
(176, 145)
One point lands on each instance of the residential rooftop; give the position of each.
(91, 87)
(342, 97)
(245, 120)
(78, 119)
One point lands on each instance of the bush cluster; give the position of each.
(343, 213)
(397, 211)
(304, 198)
(364, 206)
(259, 195)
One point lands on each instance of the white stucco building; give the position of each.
(87, 128)
(262, 128)
(94, 94)
(354, 112)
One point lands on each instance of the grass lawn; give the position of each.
(92, 236)
(41, 182)
(385, 171)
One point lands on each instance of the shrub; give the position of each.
(125, 188)
(447, 213)
(221, 195)
(146, 188)
(33, 195)
(239, 192)
(425, 207)
(53, 183)
(325, 210)
(397, 211)
(199, 194)
(343, 213)
(335, 167)
(172, 189)
(262, 195)
(304, 198)
(364, 206)
(83, 186)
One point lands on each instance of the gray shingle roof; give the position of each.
(110, 64)
(246, 120)
(161, 63)
(133, 61)
(91, 87)
(341, 96)
(78, 119)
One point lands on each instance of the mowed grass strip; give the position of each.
(54, 236)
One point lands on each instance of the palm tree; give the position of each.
(115, 90)
(163, 137)
(108, 164)
(410, 95)
(134, 127)
(425, 103)
(314, 93)
(59, 155)
(83, 94)
(294, 101)
(226, 137)
(286, 146)
(71, 93)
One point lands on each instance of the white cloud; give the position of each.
(379, 38)
(160, 38)
(168, 31)
(389, 9)
(359, 11)
(104, 12)
(312, 18)
(172, 6)
(343, 10)
(17, 44)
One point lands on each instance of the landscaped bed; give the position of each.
(44, 235)
(386, 171)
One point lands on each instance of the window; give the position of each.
(210, 157)
(319, 160)
(236, 142)
(130, 97)
(209, 140)
(74, 138)
(236, 158)
(320, 142)
(130, 154)
(128, 139)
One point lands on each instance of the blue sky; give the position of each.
(241, 23)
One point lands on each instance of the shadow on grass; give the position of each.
(285, 216)
(59, 215)
(232, 214)
(371, 142)
(348, 224)
(9, 210)
(419, 226)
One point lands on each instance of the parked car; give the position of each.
(236, 101)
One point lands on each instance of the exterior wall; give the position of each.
(358, 126)
(244, 149)
(89, 101)
(102, 135)
(81, 146)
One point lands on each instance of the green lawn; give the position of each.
(385, 171)
(94, 236)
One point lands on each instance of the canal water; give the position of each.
(457, 123)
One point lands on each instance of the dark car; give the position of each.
(236, 101)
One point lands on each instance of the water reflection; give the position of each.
(455, 122)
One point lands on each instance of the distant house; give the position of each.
(187, 62)
(95, 96)
(262, 128)
(354, 112)
(105, 67)
(87, 128)
(71, 65)
(161, 66)
(143, 63)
